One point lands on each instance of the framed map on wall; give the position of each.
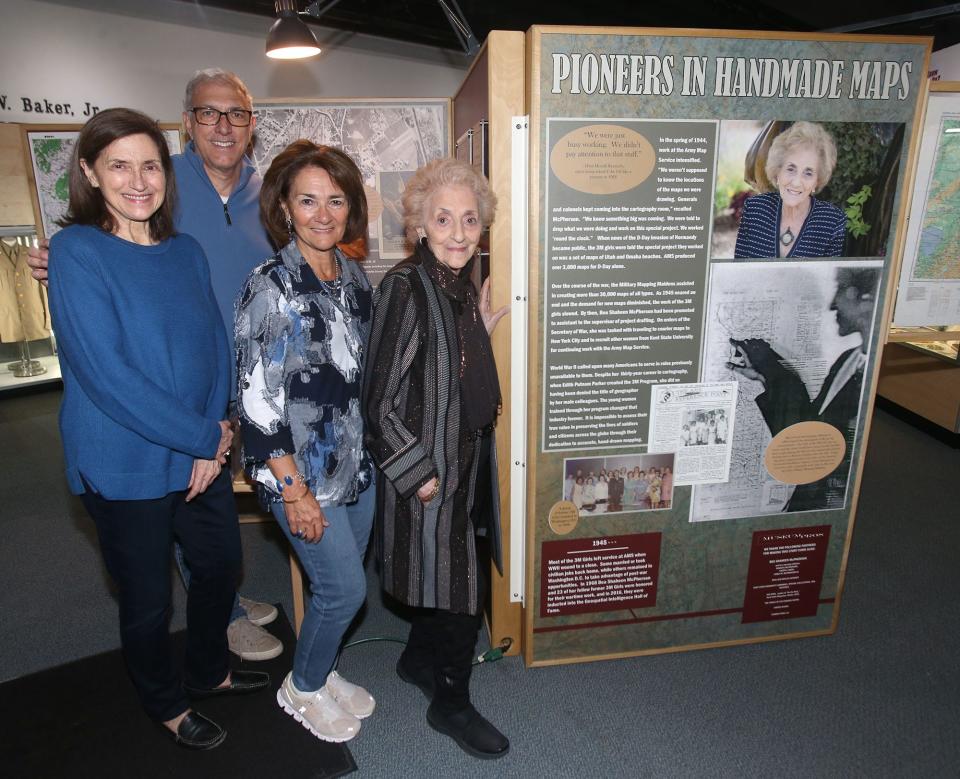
(381, 135)
(929, 291)
(50, 149)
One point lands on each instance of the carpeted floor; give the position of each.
(880, 698)
(83, 719)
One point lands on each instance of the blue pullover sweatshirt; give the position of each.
(231, 234)
(144, 358)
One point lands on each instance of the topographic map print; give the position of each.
(51, 153)
(379, 136)
(938, 251)
(50, 156)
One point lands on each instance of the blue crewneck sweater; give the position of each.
(144, 358)
(231, 234)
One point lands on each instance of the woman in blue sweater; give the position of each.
(145, 366)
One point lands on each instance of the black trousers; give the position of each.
(444, 643)
(136, 538)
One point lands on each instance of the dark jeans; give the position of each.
(135, 540)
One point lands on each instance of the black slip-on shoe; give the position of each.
(196, 732)
(241, 683)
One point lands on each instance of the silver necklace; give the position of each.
(787, 237)
(332, 287)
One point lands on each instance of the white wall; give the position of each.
(140, 54)
(946, 63)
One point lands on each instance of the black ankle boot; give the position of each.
(472, 732)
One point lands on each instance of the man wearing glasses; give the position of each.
(219, 205)
(219, 194)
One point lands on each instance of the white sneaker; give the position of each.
(352, 698)
(252, 642)
(318, 712)
(258, 613)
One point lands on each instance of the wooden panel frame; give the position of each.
(16, 201)
(533, 56)
(493, 89)
(925, 384)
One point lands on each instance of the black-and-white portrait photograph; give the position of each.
(704, 427)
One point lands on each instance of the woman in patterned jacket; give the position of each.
(303, 318)
(431, 398)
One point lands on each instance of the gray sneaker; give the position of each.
(258, 613)
(352, 698)
(318, 712)
(252, 642)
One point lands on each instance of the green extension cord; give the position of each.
(490, 656)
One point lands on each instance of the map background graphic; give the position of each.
(379, 135)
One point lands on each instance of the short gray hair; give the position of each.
(215, 76)
(864, 280)
(811, 135)
(440, 173)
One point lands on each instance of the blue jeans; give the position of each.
(338, 585)
(238, 610)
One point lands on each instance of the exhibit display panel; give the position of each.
(714, 217)
(388, 139)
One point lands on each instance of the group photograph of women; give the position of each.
(613, 485)
(364, 415)
(798, 190)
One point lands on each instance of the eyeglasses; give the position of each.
(237, 117)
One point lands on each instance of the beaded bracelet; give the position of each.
(288, 482)
(297, 500)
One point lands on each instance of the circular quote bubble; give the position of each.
(805, 452)
(374, 203)
(563, 517)
(602, 159)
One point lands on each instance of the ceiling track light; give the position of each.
(289, 37)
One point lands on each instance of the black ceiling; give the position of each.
(422, 21)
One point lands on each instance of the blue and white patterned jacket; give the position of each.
(822, 233)
(300, 352)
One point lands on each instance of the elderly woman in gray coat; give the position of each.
(431, 398)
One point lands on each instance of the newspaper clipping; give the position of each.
(696, 422)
